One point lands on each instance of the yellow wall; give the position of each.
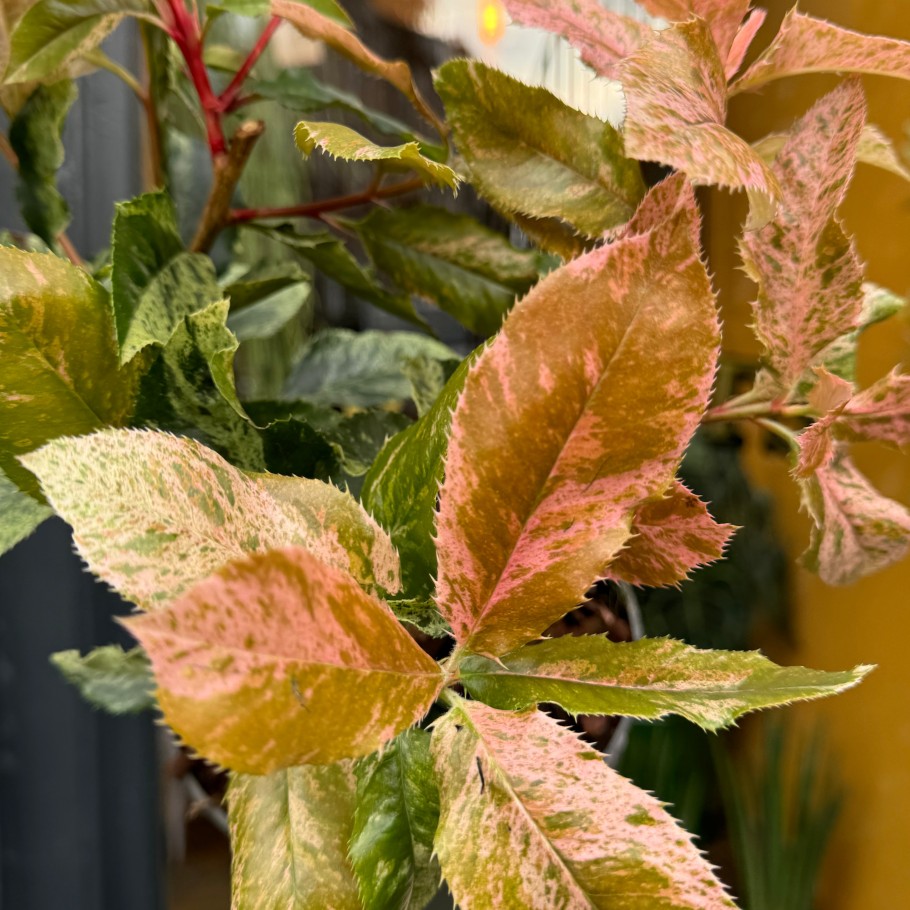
(869, 727)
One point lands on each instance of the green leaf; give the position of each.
(466, 269)
(333, 259)
(153, 514)
(360, 369)
(155, 283)
(19, 514)
(530, 816)
(395, 819)
(648, 679)
(342, 142)
(256, 664)
(428, 378)
(263, 7)
(118, 681)
(53, 32)
(289, 839)
(422, 613)
(59, 374)
(269, 316)
(549, 458)
(245, 286)
(36, 135)
(531, 154)
(401, 490)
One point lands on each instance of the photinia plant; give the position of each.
(274, 601)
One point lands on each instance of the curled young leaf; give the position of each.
(548, 458)
(649, 678)
(676, 99)
(255, 664)
(532, 817)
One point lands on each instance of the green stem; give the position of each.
(102, 61)
(734, 410)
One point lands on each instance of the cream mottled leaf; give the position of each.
(807, 270)
(676, 106)
(672, 536)
(548, 458)
(314, 25)
(152, 514)
(289, 839)
(856, 530)
(529, 153)
(649, 679)
(602, 37)
(340, 141)
(874, 148)
(395, 821)
(53, 32)
(256, 664)
(117, 681)
(59, 374)
(20, 514)
(723, 16)
(808, 45)
(532, 817)
(465, 268)
(880, 412)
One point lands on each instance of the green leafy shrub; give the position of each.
(279, 612)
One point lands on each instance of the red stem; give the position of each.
(316, 209)
(230, 95)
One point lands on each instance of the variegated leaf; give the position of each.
(808, 45)
(829, 396)
(289, 839)
(153, 514)
(395, 821)
(743, 41)
(256, 664)
(676, 106)
(532, 817)
(548, 458)
(59, 373)
(20, 514)
(806, 268)
(672, 536)
(529, 153)
(328, 31)
(856, 530)
(117, 681)
(880, 412)
(602, 37)
(649, 679)
(342, 142)
(874, 148)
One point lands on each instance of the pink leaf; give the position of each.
(676, 100)
(723, 16)
(743, 41)
(829, 396)
(256, 664)
(548, 457)
(807, 270)
(533, 817)
(663, 202)
(807, 45)
(857, 530)
(602, 37)
(881, 412)
(673, 536)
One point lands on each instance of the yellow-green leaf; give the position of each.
(20, 514)
(256, 664)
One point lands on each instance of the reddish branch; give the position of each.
(323, 206)
(230, 96)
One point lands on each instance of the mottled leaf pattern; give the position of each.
(856, 530)
(808, 45)
(829, 396)
(530, 153)
(880, 412)
(807, 270)
(256, 664)
(59, 373)
(153, 514)
(118, 681)
(672, 536)
(723, 16)
(602, 37)
(743, 40)
(289, 839)
(466, 269)
(343, 142)
(20, 514)
(649, 679)
(395, 820)
(532, 817)
(548, 459)
(676, 105)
